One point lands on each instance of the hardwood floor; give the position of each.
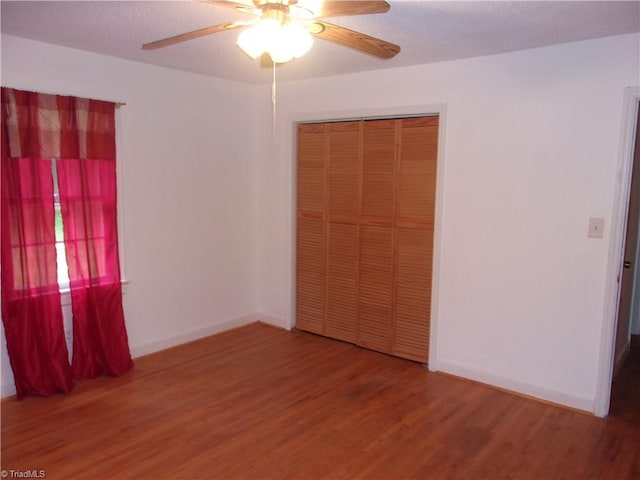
(262, 403)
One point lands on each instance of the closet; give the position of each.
(364, 232)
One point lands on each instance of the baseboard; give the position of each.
(7, 390)
(515, 385)
(191, 335)
(275, 321)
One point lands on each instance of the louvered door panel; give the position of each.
(342, 281)
(413, 293)
(378, 172)
(376, 281)
(414, 222)
(311, 275)
(343, 205)
(311, 278)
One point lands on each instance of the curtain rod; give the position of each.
(117, 104)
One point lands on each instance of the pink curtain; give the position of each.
(31, 308)
(80, 134)
(88, 198)
(87, 183)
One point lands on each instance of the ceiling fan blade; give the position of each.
(352, 39)
(339, 8)
(244, 6)
(165, 42)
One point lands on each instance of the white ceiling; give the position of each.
(427, 31)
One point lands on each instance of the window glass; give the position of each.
(63, 271)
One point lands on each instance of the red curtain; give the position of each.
(87, 183)
(88, 198)
(80, 134)
(31, 308)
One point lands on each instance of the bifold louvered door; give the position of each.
(365, 218)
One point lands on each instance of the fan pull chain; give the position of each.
(273, 103)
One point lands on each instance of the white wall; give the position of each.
(530, 149)
(188, 184)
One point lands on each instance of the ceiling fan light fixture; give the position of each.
(291, 41)
(254, 40)
(283, 40)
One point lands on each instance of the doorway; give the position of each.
(625, 387)
(628, 299)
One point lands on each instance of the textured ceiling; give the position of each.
(427, 31)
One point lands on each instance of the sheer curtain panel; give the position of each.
(87, 183)
(88, 198)
(31, 308)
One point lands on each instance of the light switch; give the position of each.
(596, 227)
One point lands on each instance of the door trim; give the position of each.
(616, 251)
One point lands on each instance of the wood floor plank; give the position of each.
(262, 403)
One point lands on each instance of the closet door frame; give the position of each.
(439, 110)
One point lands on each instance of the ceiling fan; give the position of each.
(285, 28)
